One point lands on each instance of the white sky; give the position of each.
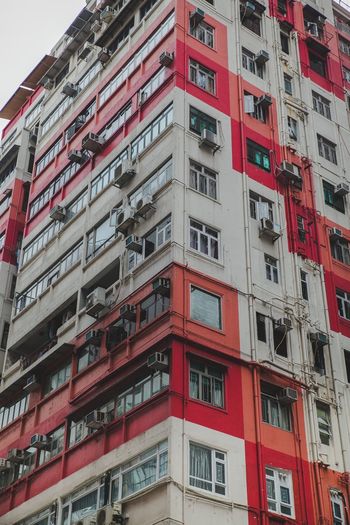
(28, 31)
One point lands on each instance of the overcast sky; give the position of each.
(28, 31)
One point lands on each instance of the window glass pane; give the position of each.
(205, 307)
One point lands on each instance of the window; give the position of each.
(206, 308)
(200, 121)
(137, 58)
(147, 7)
(204, 239)
(83, 502)
(8, 171)
(260, 208)
(139, 473)
(340, 250)
(280, 341)
(301, 228)
(5, 204)
(284, 37)
(249, 63)
(45, 517)
(140, 392)
(331, 198)
(346, 74)
(207, 469)
(203, 179)
(106, 176)
(258, 155)
(343, 301)
(324, 423)
(202, 77)
(271, 268)
(273, 411)
(261, 327)
(33, 115)
(304, 286)
(337, 501)
(5, 335)
(29, 295)
(53, 228)
(2, 240)
(87, 355)
(116, 122)
(254, 108)
(251, 18)
(49, 156)
(327, 149)
(100, 237)
(321, 105)
(344, 46)
(292, 128)
(80, 120)
(152, 85)
(152, 307)
(207, 383)
(203, 32)
(119, 331)
(151, 242)
(279, 491)
(12, 412)
(121, 36)
(288, 84)
(347, 364)
(318, 64)
(55, 447)
(282, 6)
(58, 378)
(151, 132)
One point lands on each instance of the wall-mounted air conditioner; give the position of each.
(262, 57)
(128, 312)
(283, 325)
(96, 301)
(32, 383)
(209, 139)
(40, 441)
(134, 243)
(342, 189)
(144, 205)
(77, 156)
(166, 59)
(96, 419)
(58, 213)
(158, 361)
(267, 230)
(161, 285)
(92, 142)
(123, 173)
(69, 89)
(197, 16)
(125, 219)
(288, 396)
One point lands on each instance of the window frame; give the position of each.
(206, 381)
(215, 460)
(276, 476)
(219, 298)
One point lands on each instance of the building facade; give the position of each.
(175, 269)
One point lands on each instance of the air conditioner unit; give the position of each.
(16, 455)
(77, 156)
(265, 101)
(58, 213)
(161, 285)
(144, 205)
(123, 174)
(283, 325)
(262, 57)
(4, 465)
(249, 8)
(95, 301)
(104, 55)
(342, 189)
(267, 230)
(196, 17)
(335, 234)
(158, 361)
(92, 142)
(209, 139)
(125, 219)
(134, 243)
(40, 441)
(96, 419)
(109, 515)
(312, 29)
(291, 173)
(48, 83)
(166, 59)
(32, 383)
(70, 89)
(319, 338)
(96, 26)
(287, 396)
(108, 14)
(93, 336)
(128, 311)
(33, 136)
(86, 50)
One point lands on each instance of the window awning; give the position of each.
(26, 89)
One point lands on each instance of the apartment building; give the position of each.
(176, 318)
